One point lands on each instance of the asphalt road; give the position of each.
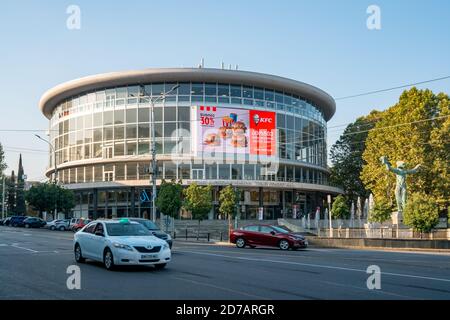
(33, 265)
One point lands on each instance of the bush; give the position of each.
(381, 212)
(421, 213)
(340, 209)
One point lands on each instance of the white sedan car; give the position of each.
(120, 242)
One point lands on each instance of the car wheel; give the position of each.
(240, 243)
(78, 255)
(14, 225)
(53, 228)
(108, 260)
(62, 228)
(283, 244)
(27, 225)
(160, 266)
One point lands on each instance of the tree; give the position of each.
(11, 191)
(415, 130)
(228, 199)
(20, 189)
(198, 200)
(421, 213)
(340, 209)
(3, 165)
(346, 156)
(380, 212)
(169, 198)
(48, 196)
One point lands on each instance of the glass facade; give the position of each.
(115, 124)
(104, 136)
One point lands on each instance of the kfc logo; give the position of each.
(257, 119)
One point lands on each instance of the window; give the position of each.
(170, 114)
(210, 89)
(197, 89)
(119, 116)
(223, 90)
(131, 115)
(144, 131)
(224, 171)
(265, 229)
(236, 91)
(158, 114)
(144, 115)
(119, 133)
(108, 118)
(90, 228)
(157, 89)
(247, 92)
(131, 132)
(169, 129)
(184, 114)
(251, 228)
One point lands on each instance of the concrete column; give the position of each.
(95, 204)
(132, 202)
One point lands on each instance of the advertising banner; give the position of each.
(234, 131)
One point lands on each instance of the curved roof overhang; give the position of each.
(54, 96)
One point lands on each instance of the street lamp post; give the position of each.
(56, 168)
(153, 150)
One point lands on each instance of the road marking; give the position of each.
(221, 288)
(320, 266)
(31, 250)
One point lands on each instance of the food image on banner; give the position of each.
(235, 131)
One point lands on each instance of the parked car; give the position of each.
(120, 242)
(58, 224)
(73, 221)
(17, 221)
(267, 235)
(34, 222)
(154, 229)
(80, 224)
(1, 221)
(6, 221)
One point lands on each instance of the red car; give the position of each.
(80, 224)
(267, 235)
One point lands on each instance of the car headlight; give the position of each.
(122, 246)
(165, 246)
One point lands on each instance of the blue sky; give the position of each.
(324, 43)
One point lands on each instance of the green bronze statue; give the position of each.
(401, 173)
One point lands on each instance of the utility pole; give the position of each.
(329, 215)
(55, 181)
(162, 97)
(3, 198)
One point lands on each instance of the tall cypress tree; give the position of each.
(20, 190)
(11, 192)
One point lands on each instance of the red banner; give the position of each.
(262, 133)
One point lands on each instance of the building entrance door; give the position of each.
(198, 174)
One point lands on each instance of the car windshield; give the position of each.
(149, 225)
(126, 229)
(280, 230)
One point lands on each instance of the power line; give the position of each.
(390, 89)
